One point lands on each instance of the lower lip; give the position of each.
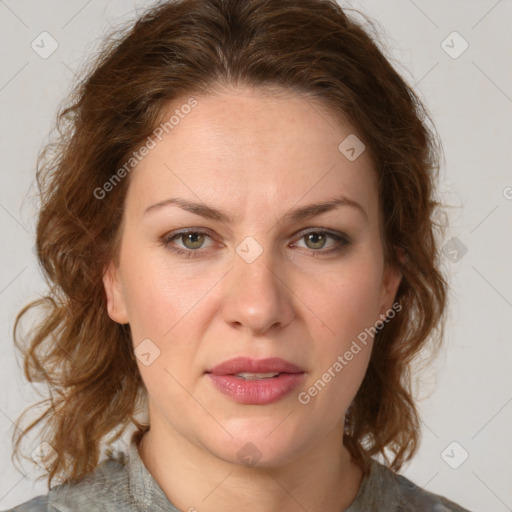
(257, 391)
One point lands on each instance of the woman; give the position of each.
(237, 228)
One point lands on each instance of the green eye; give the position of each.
(317, 240)
(193, 240)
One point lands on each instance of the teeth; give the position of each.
(254, 376)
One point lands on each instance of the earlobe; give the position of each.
(116, 307)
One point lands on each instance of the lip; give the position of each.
(246, 364)
(256, 392)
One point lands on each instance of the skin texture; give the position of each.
(255, 154)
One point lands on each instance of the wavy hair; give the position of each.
(176, 49)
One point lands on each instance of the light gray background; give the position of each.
(467, 393)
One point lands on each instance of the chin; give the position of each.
(255, 447)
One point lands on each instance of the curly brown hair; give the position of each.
(186, 47)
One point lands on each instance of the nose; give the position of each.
(257, 296)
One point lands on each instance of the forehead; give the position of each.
(250, 148)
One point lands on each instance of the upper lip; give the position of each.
(248, 365)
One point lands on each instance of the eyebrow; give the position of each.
(301, 213)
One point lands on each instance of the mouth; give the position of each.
(254, 376)
(256, 382)
(264, 368)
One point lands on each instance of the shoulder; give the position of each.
(106, 488)
(37, 504)
(422, 500)
(385, 488)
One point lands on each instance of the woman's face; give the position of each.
(255, 278)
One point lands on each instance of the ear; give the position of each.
(391, 280)
(116, 306)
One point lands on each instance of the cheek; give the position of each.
(158, 297)
(161, 309)
(350, 298)
(151, 305)
(343, 344)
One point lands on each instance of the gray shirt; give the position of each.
(120, 485)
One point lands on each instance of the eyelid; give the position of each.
(331, 232)
(176, 234)
(340, 241)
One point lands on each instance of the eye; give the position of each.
(192, 239)
(316, 240)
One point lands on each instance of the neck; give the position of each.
(194, 479)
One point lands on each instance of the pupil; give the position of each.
(193, 238)
(317, 236)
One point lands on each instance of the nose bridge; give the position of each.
(256, 295)
(254, 264)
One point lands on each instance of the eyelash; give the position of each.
(342, 241)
